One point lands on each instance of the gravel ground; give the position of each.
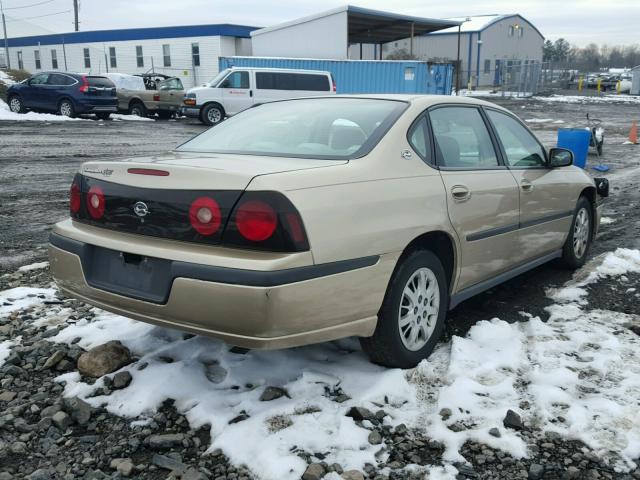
(43, 436)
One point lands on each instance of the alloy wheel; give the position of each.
(419, 308)
(65, 109)
(581, 233)
(15, 105)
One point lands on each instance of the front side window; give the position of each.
(166, 55)
(36, 55)
(113, 62)
(195, 54)
(520, 146)
(329, 128)
(87, 58)
(139, 56)
(462, 139)
(236, 80)
(54, 59)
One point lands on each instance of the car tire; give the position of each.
(576, 247)
(16, 105)
(66, 108)
(138, 109)
(212, 114)
(412, 317)
(103, 115)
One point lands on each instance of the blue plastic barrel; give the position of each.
(577, 140)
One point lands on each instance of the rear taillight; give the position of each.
(256, 221)
(75, 197)
(95, 202)
(84, 87)
(265, 221)
(156, 97)
(205, 216)
(333, 84)
(148, 171)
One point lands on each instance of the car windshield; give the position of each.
(216, 80)
(327, 128)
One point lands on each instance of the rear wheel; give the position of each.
(66, 108)
(578, 243)
(138, 109)
(16, 105)
(411, 320)
(212, 114)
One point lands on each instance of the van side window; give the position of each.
(236, 80)
(292, 81)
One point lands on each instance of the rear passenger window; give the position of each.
(462, 139)
(103, 82)
(57, 79)
(520, 147)
(236, 80)
(292, 81)
(419, 139)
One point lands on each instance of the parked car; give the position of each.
(68, 94)
(307, 220)
(236, 89)
(139, 95)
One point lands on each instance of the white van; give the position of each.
(236, 89)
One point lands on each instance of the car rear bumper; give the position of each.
(247, 308)
(102, 107)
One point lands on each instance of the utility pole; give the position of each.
(6, 41)
(75, 14)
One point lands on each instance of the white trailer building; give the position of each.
(490, 47)
(188, 52)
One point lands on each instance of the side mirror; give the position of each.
(560, 157)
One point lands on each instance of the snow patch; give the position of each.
(20, 298)
(5, 350)
(33, 266)
(607, 220)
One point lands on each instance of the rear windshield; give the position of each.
(324, 128)
(100, 82)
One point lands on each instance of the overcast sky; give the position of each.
(579, 21)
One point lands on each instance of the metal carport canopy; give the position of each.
(374, 26)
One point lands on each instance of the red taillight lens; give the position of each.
(205, 216)
(95, 202)
(256, 220)
(334, 85)
(84, 88)
(75, 198)
(156, 98)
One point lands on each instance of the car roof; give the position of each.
(424, 101)
(287, 70)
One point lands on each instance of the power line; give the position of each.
(37, 16)
(31, 5)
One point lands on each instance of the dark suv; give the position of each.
(69, 94)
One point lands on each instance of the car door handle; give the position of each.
(526, 185)
(460, 193)
(251, 93)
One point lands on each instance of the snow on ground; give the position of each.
(607, 220)
(20, 298)
(5, 350)
(629, 99)
(540, 120)
(130, 118)
(578, 375)
(7, 114)
(33, 266)
(5, 78)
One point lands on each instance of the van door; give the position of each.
(237, 94)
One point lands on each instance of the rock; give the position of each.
(61, 420)
(445, 413)
(79, 410)
(103, 359)
(240, 418)
(40, 474)
(494, 432)
(168, 463)
(315, 471)
(272, 393)
(124, 466)
(193, 474)
(573, 472)
(54, 359)
(536, 471)
(121, 380)
(215, 373)
(167, 440)
(513, 420)
(375, 438)
(353, 475)
(360, 413)
(7, 396)
(50, 411)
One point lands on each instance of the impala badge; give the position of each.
(141, 209)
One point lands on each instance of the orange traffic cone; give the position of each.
(633, 133)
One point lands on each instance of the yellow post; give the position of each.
(619, 86)
(599, 85)
(580, 82)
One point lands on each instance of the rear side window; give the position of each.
(462, 139)
(419, 139)
(58, 79)
(292, 81)
(103, 82)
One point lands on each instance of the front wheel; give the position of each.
(578, 243)
(16, 105)
(412, 317)
(212, 114)
(66, 109)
